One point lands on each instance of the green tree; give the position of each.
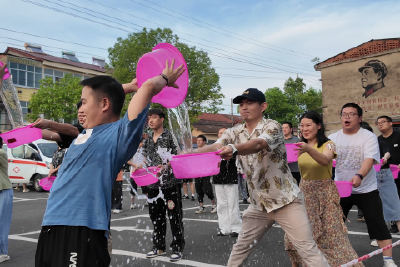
(204, 94)
(56, 100)
(291, 102)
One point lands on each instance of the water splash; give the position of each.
(11, 102)
(179, 125)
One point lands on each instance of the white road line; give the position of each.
(130, 228)
(196, 208)
(200, 220)
(131, 217)
(163, 259)
(31, 233)
(22, 238)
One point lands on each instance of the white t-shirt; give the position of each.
(352, 150)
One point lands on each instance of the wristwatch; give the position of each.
(359, 175)
(165, 78)
(234, 150)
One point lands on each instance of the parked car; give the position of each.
(31, 162)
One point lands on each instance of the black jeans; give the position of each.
(116, 196)
(203, 186)
(370, 205)
(297, 176)
(157, 210)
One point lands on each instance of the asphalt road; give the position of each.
(132, 229)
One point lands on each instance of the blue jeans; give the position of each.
(6, 203)
(242, 186)
(388, 193)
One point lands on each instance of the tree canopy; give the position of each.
(204, 93)
(56, 100)
(291, 102)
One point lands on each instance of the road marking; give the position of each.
(17, 237)
(196, 208)
(163, 259)
(130, 228)
(31, 233)
(131, 217)
(18, 199)
(200, 220)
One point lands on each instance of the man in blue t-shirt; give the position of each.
(76, 222)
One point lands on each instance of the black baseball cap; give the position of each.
(252, 94)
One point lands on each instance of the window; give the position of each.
(78, 75)
(30, 153)
(25, 75)
(18, 152)
(86, 77)
(25, 110)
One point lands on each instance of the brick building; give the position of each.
(368, 75)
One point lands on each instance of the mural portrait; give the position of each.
(372, 75)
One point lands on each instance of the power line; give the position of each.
(224, 29)
(65, 49)
(57, 10)
(258, 58)
(216, 31)
(51, 39)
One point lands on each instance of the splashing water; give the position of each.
(179, 125)
(11, 102)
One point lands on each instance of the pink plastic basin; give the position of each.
(395, 170)
(6, 73)
(291, 153)
(143, 178)
(378, 166)
(20, 136)
(344, 188)
(195, 165)
(47, 182)
(153, 63)
(333, 163)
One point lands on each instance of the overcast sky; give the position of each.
(251, 43)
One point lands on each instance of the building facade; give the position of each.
(29, 66)
(368, 75)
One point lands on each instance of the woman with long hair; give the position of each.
(321, 197)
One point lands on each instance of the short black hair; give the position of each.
(79, 105)
(1, 142)
(366, 126)
(156, 111)
(353, 105)
(107, 86)
(288, 123)
(202, 137)
(385, 117)
(317, 119)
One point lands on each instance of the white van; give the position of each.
(31, 162)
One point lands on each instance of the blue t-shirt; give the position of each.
(81, 194)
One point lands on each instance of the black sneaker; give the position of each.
(193, 199)
(234, 234)
(394, 229)
(185, 197)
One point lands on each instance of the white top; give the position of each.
(352, 150)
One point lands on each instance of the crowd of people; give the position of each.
(301, 197)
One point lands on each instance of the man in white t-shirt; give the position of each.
(357, 151)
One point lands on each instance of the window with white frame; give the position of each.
(25, 75)
(25, 110)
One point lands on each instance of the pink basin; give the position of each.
(20, 136)
(153, 63)
(333, 163)
(143, 178)
(291, 153)
(195, 165)
(47, 182)
(6, 73)
(344, 188)
(395, 170)
(378, 166)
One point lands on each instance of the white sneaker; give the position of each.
(389, 263)
(213, 209)
(26, 190)
(117, 211)
(155, 253)
(133, 206)
(4, 258)
(201, 210)
(374, 243)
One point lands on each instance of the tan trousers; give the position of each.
(293, 220)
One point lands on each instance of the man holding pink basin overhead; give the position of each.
(260, 147)
(79, 206)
